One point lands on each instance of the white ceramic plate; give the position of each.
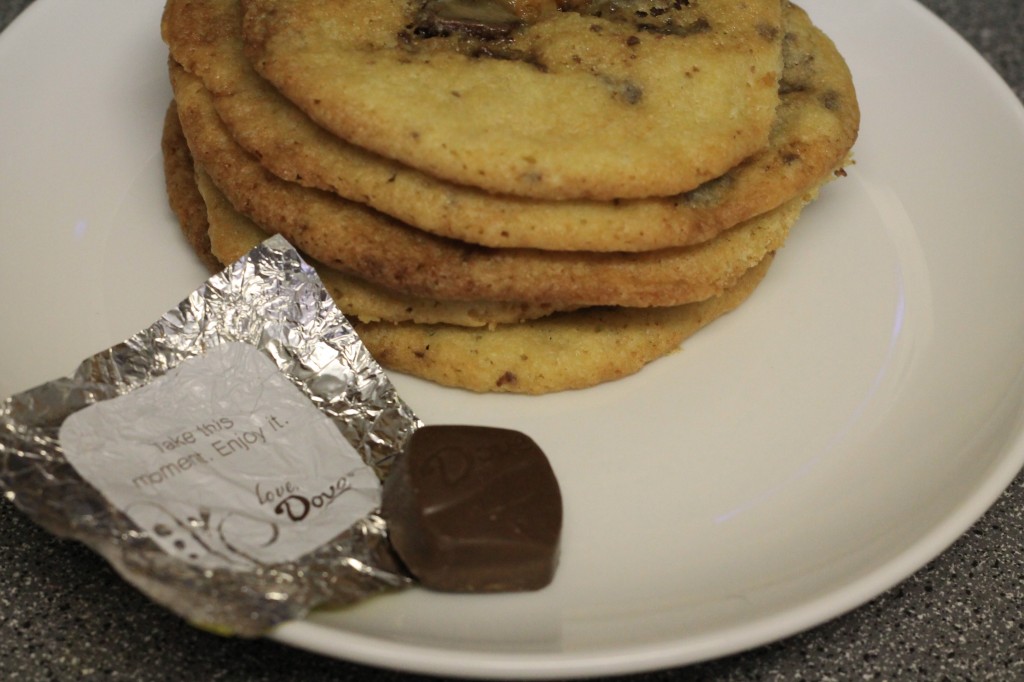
(796, 459)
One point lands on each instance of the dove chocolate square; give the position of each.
(474, 509)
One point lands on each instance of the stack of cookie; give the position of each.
(507, 195)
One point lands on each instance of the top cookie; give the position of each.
(612, 99)
(816, 124)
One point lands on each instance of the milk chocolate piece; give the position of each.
(474, 509)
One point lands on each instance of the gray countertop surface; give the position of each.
(65, 615)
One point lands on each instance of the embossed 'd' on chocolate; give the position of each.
(474, 509)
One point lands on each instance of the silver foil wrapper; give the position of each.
(275, 302)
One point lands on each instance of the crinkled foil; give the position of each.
(274, 301)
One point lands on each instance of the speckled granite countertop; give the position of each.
(65, 615)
